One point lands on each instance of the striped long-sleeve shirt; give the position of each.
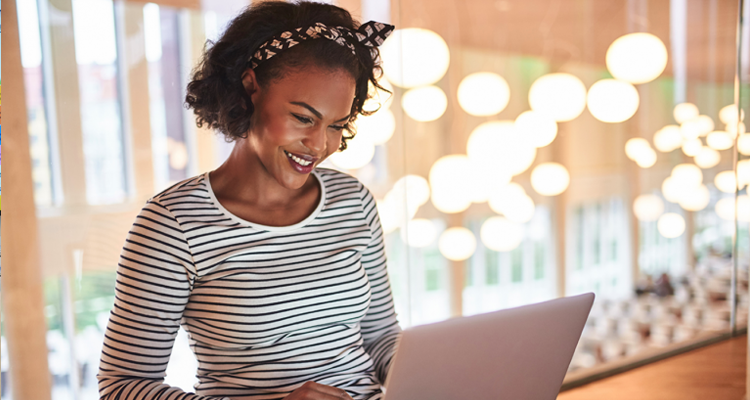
(266, 308)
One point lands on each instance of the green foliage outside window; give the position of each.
(491, 267)
(516, 259)
(432, 266)
(539, 260)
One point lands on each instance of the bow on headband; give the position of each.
(370, 34)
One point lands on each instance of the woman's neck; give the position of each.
(242, 178)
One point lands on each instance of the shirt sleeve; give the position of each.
(155, 275)
(380, 328)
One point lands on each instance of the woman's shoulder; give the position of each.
(344, 191)
(337, 181)
(181, 199)
(334, 174)
(193, 188)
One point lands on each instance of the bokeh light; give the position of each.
(707, 158)
(648, 207)
(379, 100)
(178, 154)
(501, 234)
(358, 153)
(389, 220)
(719, 140)
(414, 57)
(457, 244)
(636, 57)
(692, 147)
(732, 129)
(705, 124)
(725, 181)
(611, 100)
(550, 179)
(689, 175)
(671, 225)
(451, 191)
(691, 129)
(743, 173)
(668, 138)
(560, 96)
(743, 144)
(426, 103)
(412, 189)
(378, 127)
(517, 209)
(647, 158)
(685, 111)
(504, 195)
(695, 198)
(484, 182)
(634, 147)
(483, 94)
(540, 129)
(419, 232)
(728, 114)
(726, 206)
(497, 146)
(672, 189)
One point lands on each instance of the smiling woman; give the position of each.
(275, 268)
(298, 123)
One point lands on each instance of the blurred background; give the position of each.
(530, 150)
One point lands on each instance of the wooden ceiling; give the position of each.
(580, 31)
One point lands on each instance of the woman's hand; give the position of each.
(315, 391)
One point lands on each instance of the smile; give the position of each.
(298, 160)
(301, 163)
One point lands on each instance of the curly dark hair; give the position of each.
(216, 93)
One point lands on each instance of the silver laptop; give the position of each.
(518, 353)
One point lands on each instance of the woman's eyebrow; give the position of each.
(314, 111)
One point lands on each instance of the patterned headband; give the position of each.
(370, 34)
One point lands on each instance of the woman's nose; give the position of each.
(316, 140)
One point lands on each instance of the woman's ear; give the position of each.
(250, 82)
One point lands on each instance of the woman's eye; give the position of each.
(302, 119)
(337, 127)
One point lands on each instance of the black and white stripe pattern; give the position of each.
(266, 308)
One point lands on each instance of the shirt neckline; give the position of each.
(258, 226)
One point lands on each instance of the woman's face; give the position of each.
(298, 121)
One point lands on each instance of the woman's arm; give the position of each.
(154, 278)
(380, 329)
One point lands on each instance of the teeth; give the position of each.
(298, 160)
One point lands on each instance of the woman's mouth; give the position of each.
(301, 163)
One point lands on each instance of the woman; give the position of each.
(275, 269)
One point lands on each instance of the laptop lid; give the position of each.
(518, 353)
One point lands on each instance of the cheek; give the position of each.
(334, 141)
(275, 130)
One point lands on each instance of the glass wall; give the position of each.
(615, 124)
(100, 108)
(161, 34)
(36, 106)
(529, 150)
(80, 241)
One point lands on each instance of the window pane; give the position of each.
(492, 267)
(31, 60)
(516, 265)
(101, 117)
(539, 260)
(432, 271)
(171, 156)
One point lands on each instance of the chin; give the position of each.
(293, 180)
